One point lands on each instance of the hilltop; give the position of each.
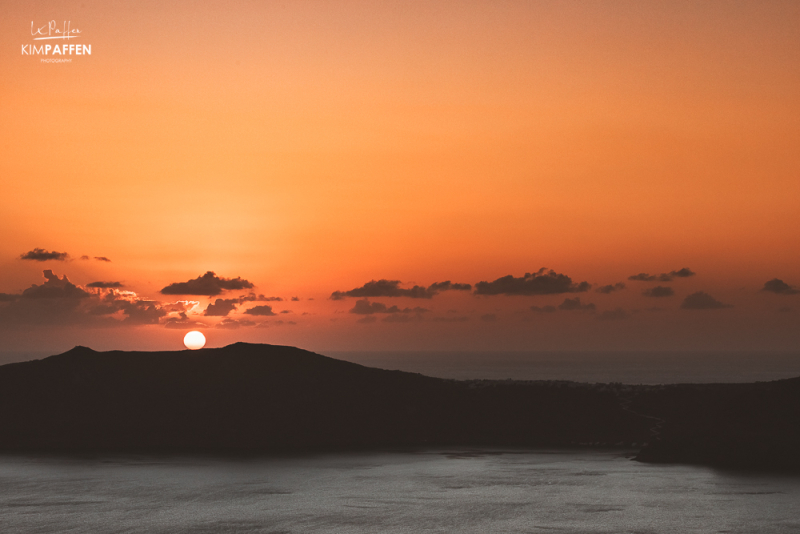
(262, 398)
(251, 397)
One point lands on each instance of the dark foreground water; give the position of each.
(431, 491)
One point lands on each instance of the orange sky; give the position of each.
(313, 147)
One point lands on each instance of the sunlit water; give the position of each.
(430, 491)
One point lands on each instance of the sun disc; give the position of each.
(194, 340)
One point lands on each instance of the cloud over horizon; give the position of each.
(262, 311)
(365, 307)
(221, 307)
(391, 288)
(58, 301)
(53, 288)
(542, 282)
(448, 286)
(232, 324)
(619, 286)
(703, 301)
(40, 254)
(105, 285)
(663, 277)
(779, 287)
(209, 285)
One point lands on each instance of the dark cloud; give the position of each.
(40, 254)
(221, 307)
(295, 299)
(663, 277)
(105, 285)
(252, 297)
(54, 288)
(613, 315)
(365, 307)
(367, 319)
(643, 277)
(779, 287)
(181, 322)
(179, 306)
(575, 305)
(60, 302)
(133, 311)
(102, 258)
(104, 309)
(84, 257)
(391, 288)
(448, 286)
(658, 291)
(542, 282)
(209, 285)
(5, 297)
(232, 324)
(286, 311)
(142, 311)
(543, 309)
(489, 317)
(260, 310)
(611, 288)
(383, 288)
(702, 301)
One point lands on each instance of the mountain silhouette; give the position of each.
(252, 397)
(261, 398)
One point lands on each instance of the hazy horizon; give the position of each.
(629, 367)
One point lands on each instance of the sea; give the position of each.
(411, 491)
(459, 491)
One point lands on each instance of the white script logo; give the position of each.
(52, 30)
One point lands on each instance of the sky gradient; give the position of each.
(311, 148)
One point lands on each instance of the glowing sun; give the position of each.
(194, 340)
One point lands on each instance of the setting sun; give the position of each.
(194, 340)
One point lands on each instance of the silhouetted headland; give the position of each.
(262, 398)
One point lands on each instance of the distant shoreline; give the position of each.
(249, 398)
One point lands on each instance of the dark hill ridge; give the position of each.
(265, 397)
(734, 425)
(258, 398)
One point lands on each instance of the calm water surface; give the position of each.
(430, 491)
